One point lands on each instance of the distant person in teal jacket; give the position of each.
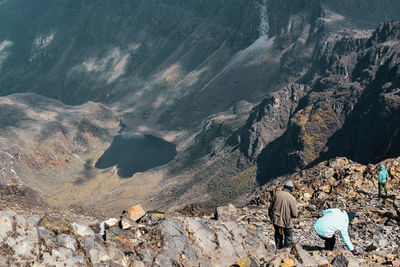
(382, 180)
(334, 220)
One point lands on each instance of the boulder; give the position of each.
(227, 213)
(65, 257)
(282, 259)
(112, 222)
(127, 223)
(57, 225)
(67, 241)
(303, 256)
(246, 262)
(156, 217)
(371, 247)
(123, 240)
(81, 229)
(6, 223)
(135, 212)
(340, 261)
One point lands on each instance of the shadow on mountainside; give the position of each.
(279, 157)
(11, 115)
(87, 174)
(371, 132)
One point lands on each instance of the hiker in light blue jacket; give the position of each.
(334, 220)
(382, 179)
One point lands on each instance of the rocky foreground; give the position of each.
(34, 234)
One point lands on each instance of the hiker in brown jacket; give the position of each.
(281, 211)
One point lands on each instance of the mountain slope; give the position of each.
(350, 108)
(191, 72)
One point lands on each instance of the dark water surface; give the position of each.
(136, 153)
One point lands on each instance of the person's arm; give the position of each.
(271, 206)
(346, 238)
(293, 208)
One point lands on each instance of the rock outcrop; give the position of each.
(269, 119)
(347, 105)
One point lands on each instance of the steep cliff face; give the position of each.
(350, 109)
(371, 131)
(269, 119)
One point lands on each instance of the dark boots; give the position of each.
(283, 237)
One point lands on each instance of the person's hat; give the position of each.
(289, 184)
(351, 215)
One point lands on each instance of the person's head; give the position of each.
(382, 167)
(351, 214)
(289, 185)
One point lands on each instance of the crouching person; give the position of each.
(332, 221)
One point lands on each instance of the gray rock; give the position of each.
(67, 241)
(117, 256)
(382, 243)
(99, 254)
(112, 222)
(329, 173)
(163, 260)
(66, 257)
(354, 262)
(303, 256)
(6, 223)
(146, 256)
(172, 226)
(190, 254)
(177, 242)
(127, 223)
(82, 229)
(226, 245)
(202, 236)
(138, 263)
(24, 246)
(227, 213)
(45, 233)
(115, 231)
(340, 261)
(47, 260)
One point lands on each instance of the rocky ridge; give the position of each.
(37, 235)
(349, 98)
